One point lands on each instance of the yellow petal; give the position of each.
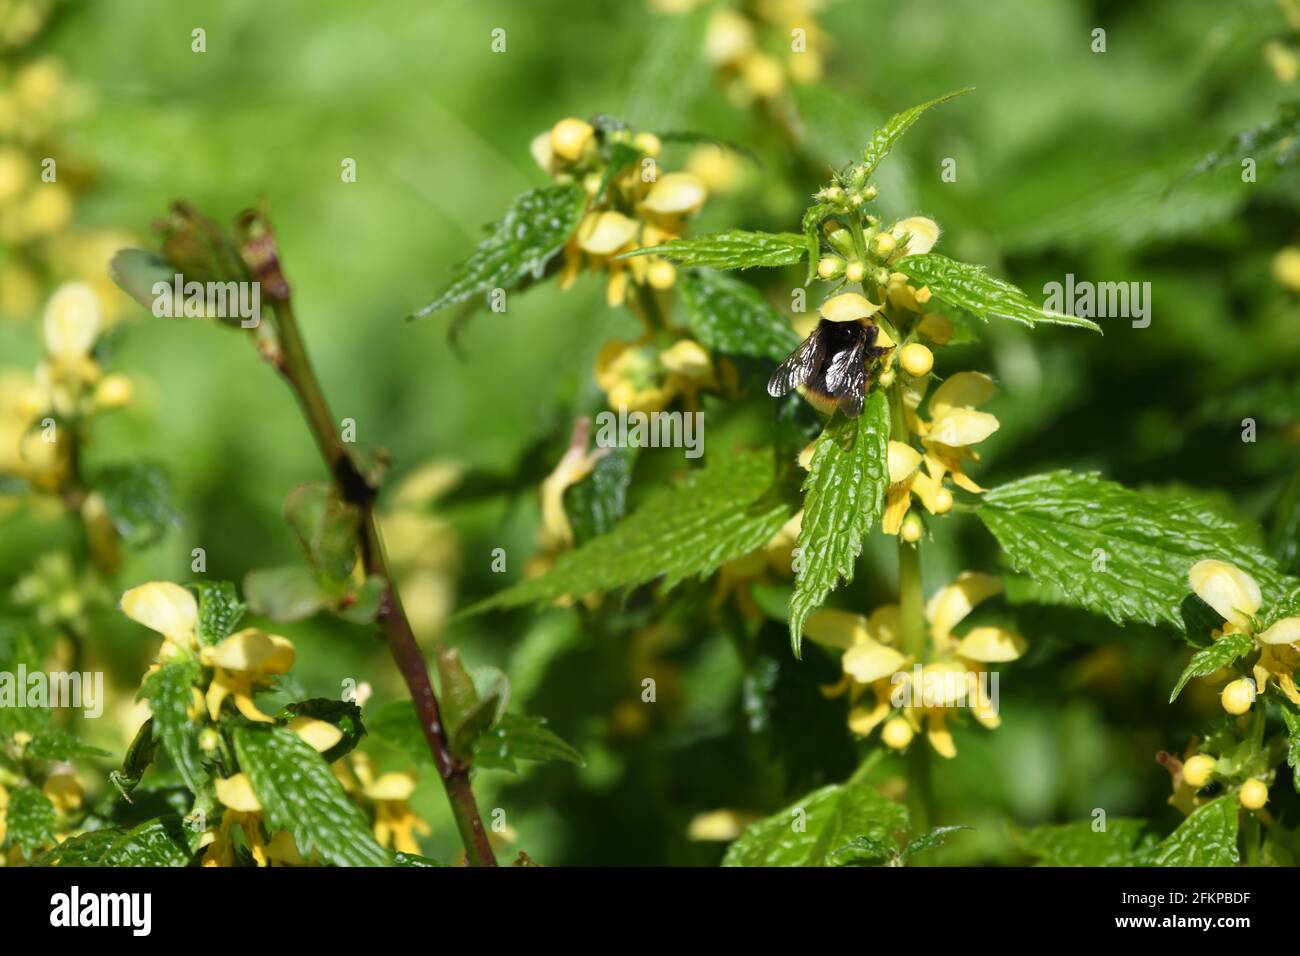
(321, 734)
(863, 719)
(950, 605)
(1285, 631)
(945, 684)
(718, 825)
(392, 786)
(991, 645)
(924, 233)
(963, 390)
(848, 307)
(903, 460)
(237, 793)
(71, 322)
(887, 624)
(569, 137)
(603, 234)
(676, 194)
(688, 358)
(244, 704)
(962, 426)
(251, 651)
(868, 661)
(164, 607)
(1226, 588)
(835, 628)
(940, 737)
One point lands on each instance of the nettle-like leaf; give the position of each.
(1280, 136)
(343, 714)
(516, 737)
(812, 830)
(170, 693)
(598, 503)
(1208, 837)
(970, 287)
(518, 247)
(219, 610)
(736, 249)
(730, 316)
(138, 497)
(299, 793)
(157, 842)
(1209, 659)
(325, 526)
(1291, 717)
(883, 139)
(1118, 552)
(55, 744)
(29, 819)
(286, 593)
(844, 496)
(720, 513)
(1123, 842)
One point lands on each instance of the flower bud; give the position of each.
(883, 244)
(1253, 794)
(897, 733)
(942, 501)
(209, 740)
(1197, 771)
(661, 274)
(936, 327)
(648, 143)
(830, 266)
(1238, 696)
(855, 271)
(912, 528)
(916, 359)
(870, 193)
(569, 137)
(113, 391)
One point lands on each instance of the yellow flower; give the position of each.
(575, 465)
(1236, 597)
(720, 826)
(63, 789)
(242, 810)
(169, 609)
(395, 823)
(241, 663)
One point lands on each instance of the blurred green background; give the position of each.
(1065, 159)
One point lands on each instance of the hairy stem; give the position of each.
(396, 628)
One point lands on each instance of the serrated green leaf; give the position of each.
(723, 512)
(1114, 551)
(479, 718)
(1278, 135)
(811, 830)
(1208, 837)
(54, 744)
(597, 503)
(299, 793)
(883, 139)
(518, 247)
(1124, 842)
(170, 693)
(457, 694)
(29, 819)
(516, 737)
(138, 498)
(397, 725)
(928, 841)
(1209, 659)
(219, 611)
(287, 593)
(156, 843)
(730, 316)
(736, 249)
(1291, 717)
(865, 851)
(970, 287)
(326, 527)
(844, 496)
(415, 860)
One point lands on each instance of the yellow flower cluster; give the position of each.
(240, 665)
(886, 687)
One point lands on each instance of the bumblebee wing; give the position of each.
(797, 368)
(846, 378)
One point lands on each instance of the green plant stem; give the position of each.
(357, 489)
(1250, 834)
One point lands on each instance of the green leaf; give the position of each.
(1124, 842)
(1254, 143)
(170, 692)
(883, 139)
(1209, 659)
(457, 693)
(54, 744)
(736, 249)
(219, 611)
(970, 287)
(397, 725)
(326, 527)
(480, 717)
(1114, 551)
(929, 841)
(730, 316)
(1284, 536)
(415, 860)
(516, 737)
(287, 593)
(343, 714)
(299, 793)
(720, 513)
(866, 851)
(844, 495)
(811, 830)
(139, 501)
(158, 843)
(1291, 717)
(596, 504)
(1208, 837)
(29, 819)
(518, 247)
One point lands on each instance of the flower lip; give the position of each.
(1232, 592)
(1285, 631)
